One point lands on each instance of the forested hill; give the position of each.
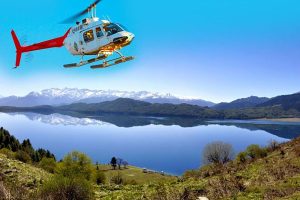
(248, 102)
(285, 101)
(135, 107)
(283, 107)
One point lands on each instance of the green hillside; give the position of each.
(285, 101)
(133, 107)
(271, 172)
(249, 102)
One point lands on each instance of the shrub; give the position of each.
(23, 156)
(117, 179)
(297, 150)
(48, 164)
(10, 154)
(254, 151)
(217, 153)
(193, 174)
(241, 157)
(273, 145)
(65, 188)
(100, 177)
(13, 191)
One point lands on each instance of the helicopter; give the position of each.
(91, 36)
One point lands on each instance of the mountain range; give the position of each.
(95, 102)
(130, 107)
(248, 102)
(56, 97)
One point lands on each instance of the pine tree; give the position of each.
(113, 162)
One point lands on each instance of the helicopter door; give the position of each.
(101, 39)
(88, 44)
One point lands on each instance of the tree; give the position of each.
(76, 164)
(119, 162)
(217, 153)
(97, 165)
(125, 164)
(23, 156)
(113, 162)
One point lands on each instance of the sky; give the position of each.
(210, 49)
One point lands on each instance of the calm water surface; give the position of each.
(169, 145)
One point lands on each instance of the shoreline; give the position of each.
(281, 119)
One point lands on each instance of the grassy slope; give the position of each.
(134, 174)
(20, 174)
(276, 176)
(30, 177)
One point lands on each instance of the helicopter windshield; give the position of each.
(113, 29)
(123, 27)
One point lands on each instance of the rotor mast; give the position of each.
(92, 10)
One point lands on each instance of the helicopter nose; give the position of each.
(131, 36)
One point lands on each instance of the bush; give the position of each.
(100, 177)
(23, 156)
(64, 188)
(48, 164)
(76, 164)
(273, 145)
(10, 154)
(193, 174)
(254, 151)
(217, 153)
(117, 179)
(241, 157)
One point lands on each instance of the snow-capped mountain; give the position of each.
(56, 96)
(58, 119)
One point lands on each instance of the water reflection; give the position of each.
(173, 145)
(287, 130)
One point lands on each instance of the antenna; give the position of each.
(95, 10)
(108, 18)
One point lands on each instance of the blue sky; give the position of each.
(212, 49)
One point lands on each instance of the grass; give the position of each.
(135, 175)
(276, 176)
(19, 173)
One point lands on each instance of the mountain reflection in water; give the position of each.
(287, 130)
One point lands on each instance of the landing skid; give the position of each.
(85, 62)
(105, 64)
(113, 62)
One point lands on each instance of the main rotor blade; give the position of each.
(76, 16)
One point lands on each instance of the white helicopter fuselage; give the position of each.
(96, 37)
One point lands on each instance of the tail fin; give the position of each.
(18, 48)
(56, 42)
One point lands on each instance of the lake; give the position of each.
(172, 145)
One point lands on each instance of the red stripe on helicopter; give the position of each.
(56, 42)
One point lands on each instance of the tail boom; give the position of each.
(56, 42)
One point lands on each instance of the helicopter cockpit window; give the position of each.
(99, 33)
(123, 27)
(88, 36)
(113, 29)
